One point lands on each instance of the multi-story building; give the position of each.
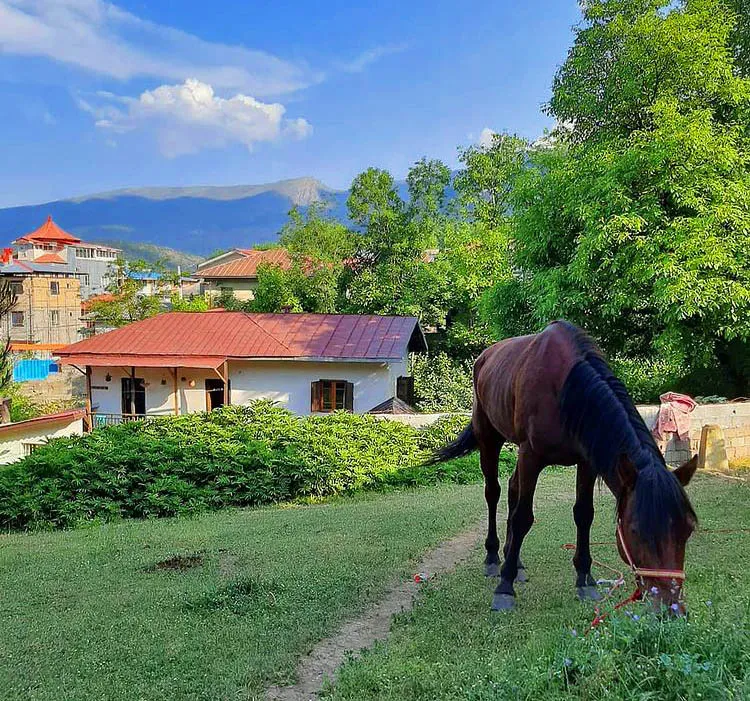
(48, 303)
(50, 245)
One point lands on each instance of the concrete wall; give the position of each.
(287, 382)
(14, 438)
(242, 288)
(734, 420)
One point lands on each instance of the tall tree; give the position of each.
(638, 227)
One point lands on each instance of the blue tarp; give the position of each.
(26, 370)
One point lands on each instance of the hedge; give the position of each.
(234, 456)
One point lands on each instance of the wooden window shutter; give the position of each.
(349, 397)
(405, 389)
(315, 397)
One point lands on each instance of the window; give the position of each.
(54, 317)
(84, 253)
(16, 319)
(16, 288)
(85, 279)
(405, 389)
(54, 288)
(332, 395)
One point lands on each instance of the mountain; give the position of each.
(170, 257)
(196, 220)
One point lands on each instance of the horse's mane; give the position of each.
(599, 415)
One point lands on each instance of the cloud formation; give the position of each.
(487, 137)
(99, 37)
(358, 64)
(190, 117)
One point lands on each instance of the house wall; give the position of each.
(243, 289)
(37, 303)
(12, 439)
(95, 274)
(286, 382)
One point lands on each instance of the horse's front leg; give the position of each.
(519, 521)
(583, 515)
(512, 501)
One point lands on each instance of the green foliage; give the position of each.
(442, 384)
(235, 456)
(193, 303)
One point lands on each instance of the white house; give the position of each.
(183, 362)
(21, 438)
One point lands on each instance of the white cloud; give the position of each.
(487, 137)
(358, 64)
(99, 37)
(189, 117)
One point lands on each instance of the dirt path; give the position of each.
(374, 624)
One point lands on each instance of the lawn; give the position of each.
(451, 646)
(90, 614)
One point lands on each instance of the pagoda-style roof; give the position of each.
(49, 232)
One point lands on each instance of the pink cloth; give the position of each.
(674, 416)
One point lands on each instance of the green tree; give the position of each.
(637, 227)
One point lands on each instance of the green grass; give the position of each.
(85, 614)
(451, 646)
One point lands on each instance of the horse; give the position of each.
(554, 395)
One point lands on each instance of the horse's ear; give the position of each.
(685, 472)
(626, 472)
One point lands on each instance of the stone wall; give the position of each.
(734, 420)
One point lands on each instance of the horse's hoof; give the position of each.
(503, 602)
(491, 569)
(521, 576)
(588, 593)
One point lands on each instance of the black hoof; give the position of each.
(521, 576)
(503, 602)
(491, 569)
(588, 593)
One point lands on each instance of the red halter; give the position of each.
(641, 572)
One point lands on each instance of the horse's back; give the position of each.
(518, 382)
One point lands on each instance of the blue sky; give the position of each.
(95, 96)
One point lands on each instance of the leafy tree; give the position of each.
(7, 302)
(637, 228)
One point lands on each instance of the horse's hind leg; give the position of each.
(528, 468)
(490, 443)
(583, 514)
(512, 501)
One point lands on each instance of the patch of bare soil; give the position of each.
(374, 624)
(177, 563)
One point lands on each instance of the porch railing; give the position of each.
(99, 420)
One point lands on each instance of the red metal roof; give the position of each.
(177, 337)
(49, 231)
(247, 267)
(68, 415)
(49, 258)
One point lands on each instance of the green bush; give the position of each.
(235, 456)
(442, 384)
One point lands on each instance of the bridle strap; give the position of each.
(641, 572)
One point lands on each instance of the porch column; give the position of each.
(176, 392)
(225, 369)
(89, 415)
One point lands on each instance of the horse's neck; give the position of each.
(615, 484)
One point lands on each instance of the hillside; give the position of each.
(151, 253)
(195, 220)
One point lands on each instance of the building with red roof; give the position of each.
(237, 271)
(182, 362)
(92, 263)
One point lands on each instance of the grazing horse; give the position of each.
(554, 396)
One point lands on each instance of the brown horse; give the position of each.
(554, 396)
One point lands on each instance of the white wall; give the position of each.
(284, 381)
(12, 438)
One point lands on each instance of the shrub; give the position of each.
(234, 456)
(442, 384)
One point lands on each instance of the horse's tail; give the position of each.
(463, 445)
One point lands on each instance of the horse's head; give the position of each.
(655, 520)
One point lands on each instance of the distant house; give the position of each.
(48, 303)
(182, 362)
(92, 263)
(21, 438)
(237, 271)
